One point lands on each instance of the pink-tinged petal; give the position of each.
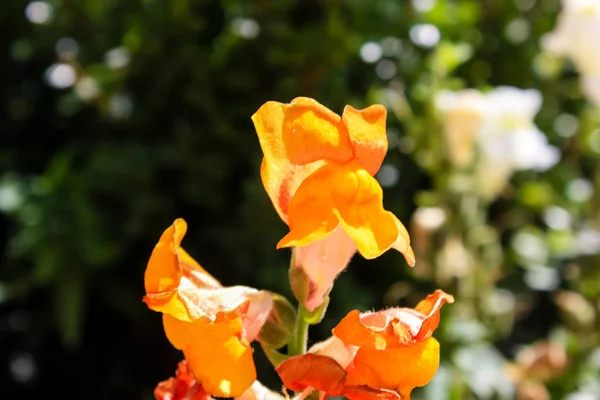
(255, 313)
(336, 349)
(366, 129)
(259, 392)
(322, 261)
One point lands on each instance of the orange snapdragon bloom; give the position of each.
(374, 355)
(318, 170)
(185, 387)
(211, 324)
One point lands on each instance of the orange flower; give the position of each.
(203, 319)
(318, 170)
(185, 387)
(398, 337)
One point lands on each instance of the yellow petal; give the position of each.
(217, 357)
(402, 243)
(346, 194)
(366, 129)
(359, 206)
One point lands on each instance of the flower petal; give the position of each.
(311, 216)
(358, 199)
(293, 137)
(177, 285)
(181, 387)
(414, 366)
(366, 129)
(172, 275)
(315, 371)
(254, 312)
(336, 349)
(348, 195)
(367, 393)
(322, 261)
(402, 243)
(259, 392)
(231, 368)
(430, 307)
(394, 327)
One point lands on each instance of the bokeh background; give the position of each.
(116, 117)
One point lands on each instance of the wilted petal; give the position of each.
(216, 353)
(394, 327)
(322, 261)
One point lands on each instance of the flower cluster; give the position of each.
(495, 132)
(318, 170)
(576, 36)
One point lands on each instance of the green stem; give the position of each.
(298, 344)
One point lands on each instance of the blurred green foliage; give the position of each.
(116, 117)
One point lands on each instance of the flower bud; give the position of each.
(279, 327)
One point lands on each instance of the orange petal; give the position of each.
(293, 138)
(171, 268)
(430, 307)
(169, 263)
(413, 366)
(312, 371)
(311, 216)
(177, 285)
(366, 129)
(216, 356)
(349, 195)
(322, 261)
(182, 387)
(394, 327)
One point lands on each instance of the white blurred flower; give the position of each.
(576, 37)
(500, 125)
(462, 113)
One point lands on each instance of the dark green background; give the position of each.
(97, 190)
